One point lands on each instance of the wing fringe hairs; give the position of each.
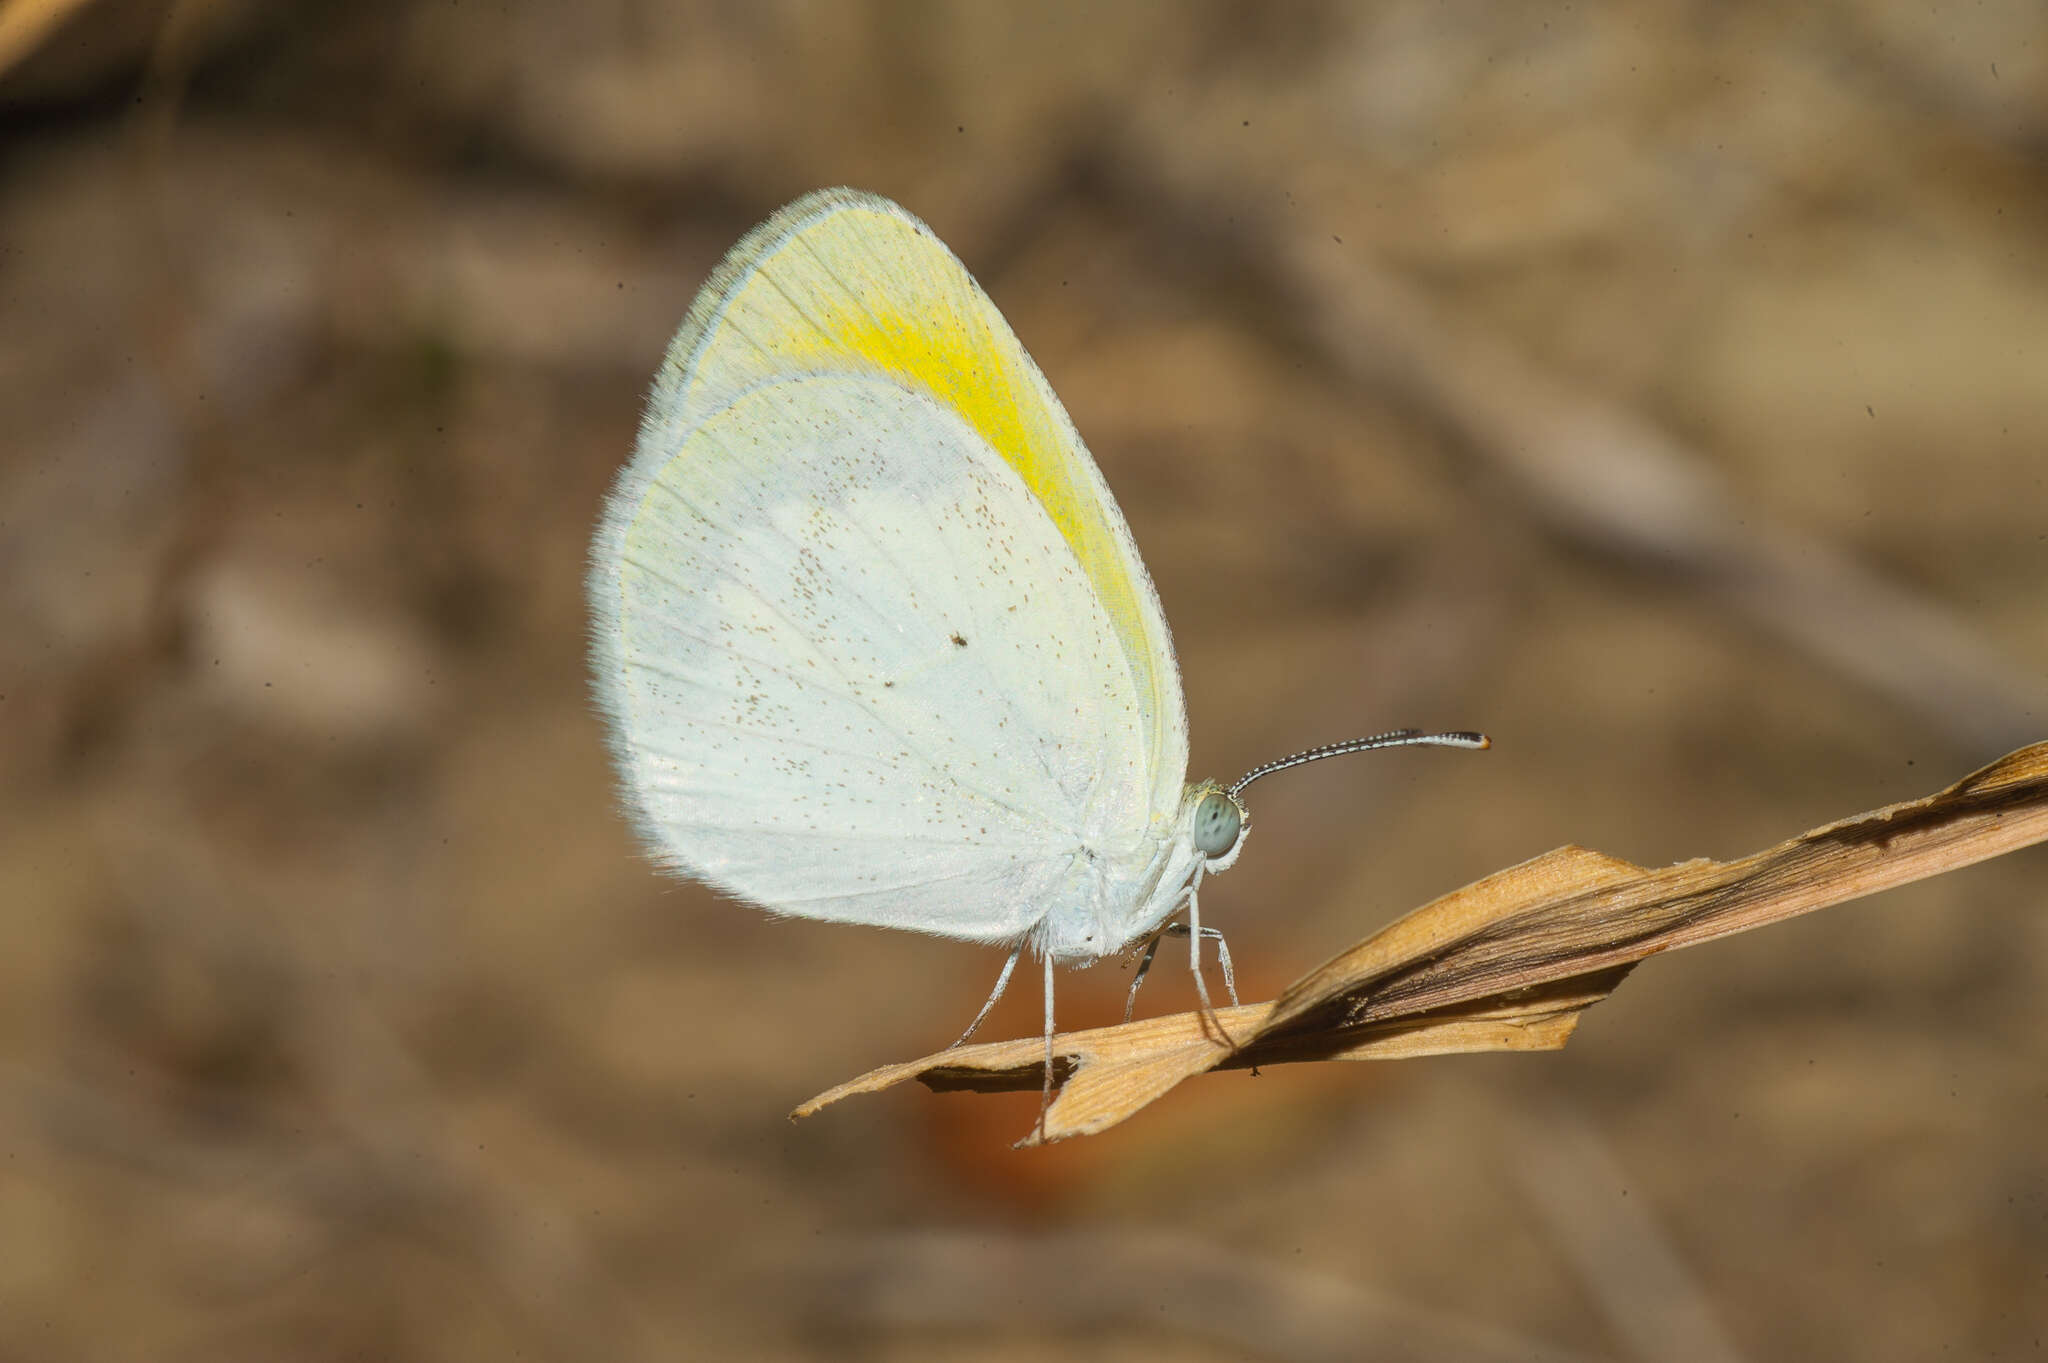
(1505, 964)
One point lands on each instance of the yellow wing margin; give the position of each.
(844, 282)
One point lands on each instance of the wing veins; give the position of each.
(848, 689)
(768, 524)
(867, 759)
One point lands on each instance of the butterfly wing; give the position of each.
(873, 637)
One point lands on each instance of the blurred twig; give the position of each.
(1625, 1259)
(105, 686)
(25, 24)
(1589, 470)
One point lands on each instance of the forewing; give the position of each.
(846, 283)
(854, 670)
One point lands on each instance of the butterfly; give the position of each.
(872, 638)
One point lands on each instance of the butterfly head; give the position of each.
(1217, 823)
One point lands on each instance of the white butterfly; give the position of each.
(873, 639)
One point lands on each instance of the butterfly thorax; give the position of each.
(1110, 901)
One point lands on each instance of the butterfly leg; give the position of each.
(1144, 964)
(1223, 954)
(1195, 936)
(1179, 929)
(1045, 1093)
(1002, 983)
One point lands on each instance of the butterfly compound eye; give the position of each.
(1217, 824)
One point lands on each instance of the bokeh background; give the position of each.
(1662, 388)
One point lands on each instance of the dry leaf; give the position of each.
(1505, 964)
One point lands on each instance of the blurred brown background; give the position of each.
(1662, 388)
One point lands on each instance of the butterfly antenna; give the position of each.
(1397, 738)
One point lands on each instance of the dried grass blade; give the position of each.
(1508, 962)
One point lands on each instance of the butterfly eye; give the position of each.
(1217, 824)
